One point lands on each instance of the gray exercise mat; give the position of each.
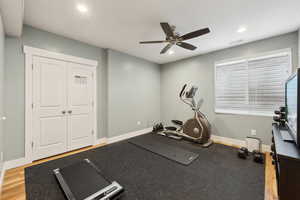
(170, 152)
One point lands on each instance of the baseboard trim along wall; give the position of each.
(128, 135)
(101, 141)
(15, 163)
(236, 142)
(125, 136)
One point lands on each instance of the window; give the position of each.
(252, 86)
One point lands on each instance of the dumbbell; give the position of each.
(258, 157)
(282, 109)
(281, 115)
(158, 127)
(280, 120)
(243, 153)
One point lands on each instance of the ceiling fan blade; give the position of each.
(195, 34)
(167, 29)
(164, 50)
(152, 42)
(186, 45)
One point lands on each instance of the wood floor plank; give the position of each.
(270, 179)
(14, 180)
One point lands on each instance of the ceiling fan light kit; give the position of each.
(173, 38)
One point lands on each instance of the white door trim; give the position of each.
(30, 52)
(59, 56)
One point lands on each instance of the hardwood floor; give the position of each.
(270, 180)
(14, 181)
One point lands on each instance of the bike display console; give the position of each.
(84, 181)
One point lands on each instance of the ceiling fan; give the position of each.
(174, 38)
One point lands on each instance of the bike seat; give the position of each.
(177, 122)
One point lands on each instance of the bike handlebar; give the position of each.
(182, 90)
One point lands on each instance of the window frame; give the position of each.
(269, 54)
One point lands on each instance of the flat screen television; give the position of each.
(292, 103)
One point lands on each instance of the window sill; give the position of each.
(234, 112)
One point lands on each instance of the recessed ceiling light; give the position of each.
(171, 52)
(82, 8)
(242, 29)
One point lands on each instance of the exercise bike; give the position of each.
(196, 129)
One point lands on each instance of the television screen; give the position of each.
(291, 104)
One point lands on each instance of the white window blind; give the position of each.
(252, 86)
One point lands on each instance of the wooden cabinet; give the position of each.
(286, 160)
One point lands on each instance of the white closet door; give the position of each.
(80, 106)
(49, 106)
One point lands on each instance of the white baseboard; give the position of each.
(266, 148)
(10, 165)
(128, 135)
(122, 137)
(101, 141)
(16, 163)
(227, 140)
(236, 142)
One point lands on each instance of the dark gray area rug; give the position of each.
(216, 175)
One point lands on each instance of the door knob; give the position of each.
(70, 111)
(63, 112)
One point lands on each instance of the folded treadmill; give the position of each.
(84, 181)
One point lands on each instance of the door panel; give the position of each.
(80, 129)
(49, 97)
(52, 77)
(79, 125)
(51, 130)
(80, 99)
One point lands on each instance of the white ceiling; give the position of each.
(12, 12)
(121, 24)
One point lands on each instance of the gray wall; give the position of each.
(1, 89)
(15, 84)
(14, 75)
(133, 93)
(199, 70)
(299, 45)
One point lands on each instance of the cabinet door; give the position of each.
(80, 106)
(50, 102)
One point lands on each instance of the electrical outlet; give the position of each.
(253, 132)
(139, 123)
